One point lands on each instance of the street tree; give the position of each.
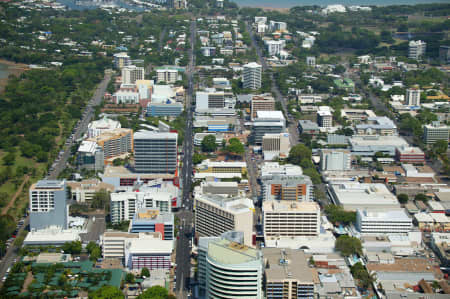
(209, 143)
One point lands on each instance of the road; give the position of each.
(81, 127)
(59, 166)
(183, 248)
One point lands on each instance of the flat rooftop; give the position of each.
(286, 264)
(232, 253)
(122, 172)
(155, 135)
(399, 214)
(290, 206)
(378, 141)
(49, 184)
(354, 193)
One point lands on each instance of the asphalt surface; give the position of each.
(11, 253)
(183, 246)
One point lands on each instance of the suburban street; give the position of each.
(183, 247)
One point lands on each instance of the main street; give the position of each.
(183, 247)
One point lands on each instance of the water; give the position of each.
(84, 4)
(292, 3)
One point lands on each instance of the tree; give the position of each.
(440, 147)
(145, 272)
(72, 247)
(107, 292)
(402, 198)
(359, 272)
(235, 147)
(298, 153)
(337, 214)
(421, 197)
(348, 245)
(209, 143)
(129, 278)
(100, 199)
(197, 158)
(156, 292)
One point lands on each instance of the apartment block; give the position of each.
(413, 97)
(263, 102)
(132, 73)
(114, 142)
(252, 75)
(275, 145)
(121, 60)
(416, 49)
(435, 132)
(166, 75)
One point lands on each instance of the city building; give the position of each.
(102, 125)
(147, 220)
(435, 132)
(113, 244)
(252, 74)
(263, 102)
(85, 190)
(48, 205)
(410, 154)
(198, 138)
(149, 251)
(90, 156)
(126, 95)
(221, 83)
(216, 214)
(277, 26)
(354, 195)
(413, 97)
(357, 115)
(205, 100)
(286, 218)
(233, 270)
(132, 73)
(169, 108)
(335, 159)
(121, 60)
(285, 182)
(155, 152)
(287, 274)
(305, 126)
(114, 142)
(379, 125)
(267, 122)
(274, 47)
(324, 117)
(222, 167)
(121, 176)
(275, 145)
(213, 187)
(416, 49)
(51, 236)
(440, 242)
(311, 61)
(167, 75)
(369, 145)
(383, 221)
(145, 90)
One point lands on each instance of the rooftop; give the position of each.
(87, 147)
(49, 184)
(270, 115)
(231, 204)
(286, 264)
(378, 141)
(289, 205)
(231, 253)
(110, 134)
(155, 135)
(399, 214)
(378, 122)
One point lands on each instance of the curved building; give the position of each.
(233, 271)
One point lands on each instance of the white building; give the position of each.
(267, 122)
(334, 8)
(274, 47)
(413, 97)
(275, 145)
(100, 126)
(383, 221)
(379, 125)
(416, 49)
(277, 26)
(167, 75)
(233, 270)
(324, 117)
(252, 74)
(335, 159)
(287, 218)
(149, 251)
(216, 214)
(205, 100)
(121, 60)
(131, 73)
(126, 96)
(435, 132)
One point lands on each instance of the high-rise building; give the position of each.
(216, 214)
(274, 47)
(416, 49)
(114, 142)
(267, 122)
(435, 132)
(103, 125)
(48, 204)
(167, 75)
(252, 75)
(233, 270)
(121, 60)
(277, 26)
(90, 156)
(275, 145)
(324, 117)
(413, 97)
(286, 218)
(287, 274)
(263, 102)
(132, 73)
(205, 100)
(155, 152)
(335, 159)
(153, 220)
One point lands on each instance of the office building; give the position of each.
(222, 167)
(416, 49)
(166, 75)
(382, 126)
(252, 74)
(286, 218)
(335, 159)
(155, 152)
(164, 109)
(149, 251)
(90, 156)
(324, 117)
(409, 154)
(263, 102)
(100, 126)
(367, 146)
(275, 145)
(213, 187)
(121, 60)
(160, 195)
(305, 126)
(413, 97)
(354, 195)
(285, 182)
(148, 220)
(233, 270)
(274, 47)
(216, 214)
(357, 115)
(277, 26)
(48, 205)
(287, 274)
(114, 142)
(84, 191)
(383, 221)
(205, 100)
(126, 95)
(198, 138)
(267, 122)
(132, 73)
(145, 89)
(113, 244)
(435, 132)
